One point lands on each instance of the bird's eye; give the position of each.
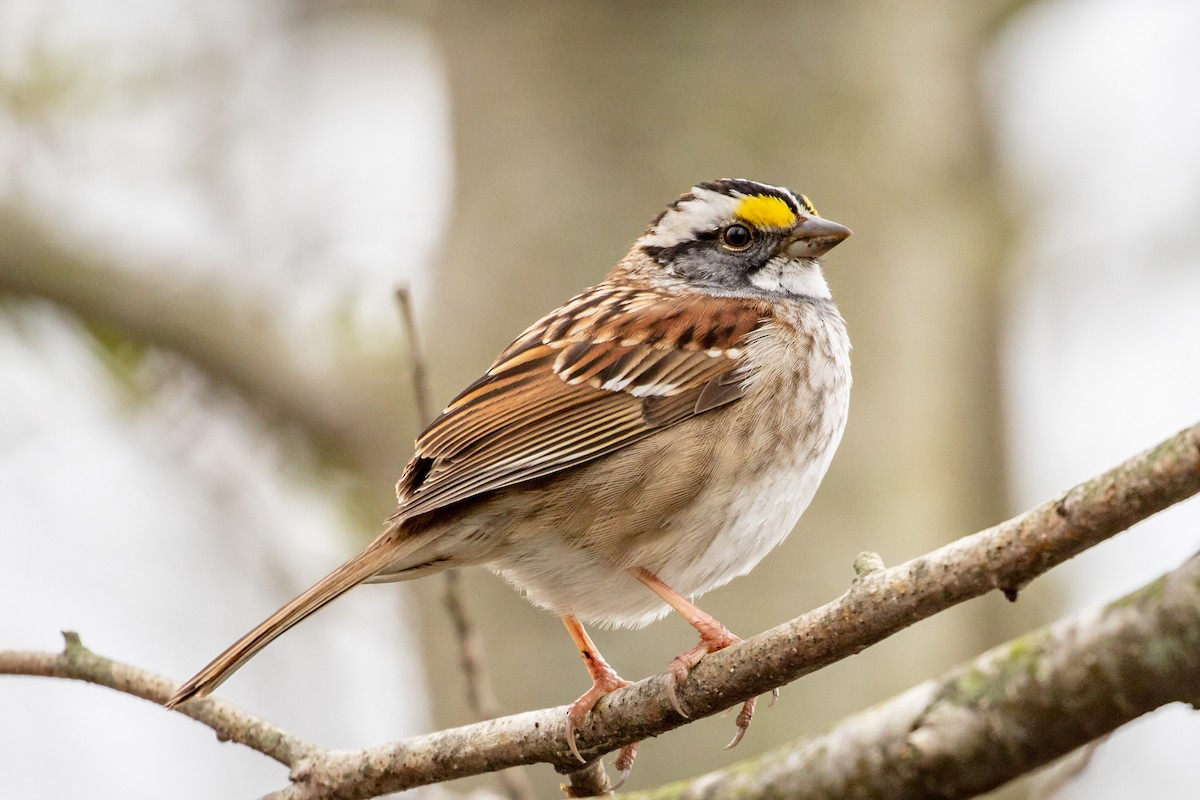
(737, 237)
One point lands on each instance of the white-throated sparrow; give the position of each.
(663, 430)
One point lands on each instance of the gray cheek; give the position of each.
(714, 268)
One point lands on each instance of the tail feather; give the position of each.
(355, 571)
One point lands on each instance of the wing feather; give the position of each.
(610, 367)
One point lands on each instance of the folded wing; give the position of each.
(607, 369)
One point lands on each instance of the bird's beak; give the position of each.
(814, 237)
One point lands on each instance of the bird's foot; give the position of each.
(713, 637)
(604, 681)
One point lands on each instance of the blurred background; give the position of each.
(206, 393)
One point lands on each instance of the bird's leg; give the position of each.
(713, 637)
(604, 680)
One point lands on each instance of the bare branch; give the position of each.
(590, 781)
(879, 603)
(230, 723)
(1007, 712)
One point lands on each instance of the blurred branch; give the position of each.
(473, 660)
(345, 403)
(1007, 712)
(1158, 667)
(472, 656)
(420, 375)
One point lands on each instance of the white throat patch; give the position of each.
(794, 276)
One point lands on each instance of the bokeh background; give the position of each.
(206, 394)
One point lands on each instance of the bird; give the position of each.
(649, 440)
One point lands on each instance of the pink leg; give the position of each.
(713, 637)
(604, 680)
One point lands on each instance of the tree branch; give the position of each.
(879, 603)
(1011, 710)
(230, 723)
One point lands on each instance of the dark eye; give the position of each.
(737, 237)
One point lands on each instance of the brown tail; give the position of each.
(329, 588)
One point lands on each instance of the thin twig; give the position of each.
(416, 361)
(471, 653)
(471, 656)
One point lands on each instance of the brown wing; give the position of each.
(610, 367)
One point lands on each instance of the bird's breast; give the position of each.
(701, 502)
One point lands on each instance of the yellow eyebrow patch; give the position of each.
(765, 211)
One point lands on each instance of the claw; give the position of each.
(571, 726)
(624, 763)
(675, 673)
(674, 698)
(736, 740)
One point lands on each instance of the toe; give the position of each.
(624, 763)
(571, 727)
(743, 722)
(682, 664)
(672, 682)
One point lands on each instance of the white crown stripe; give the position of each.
(705, 211)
